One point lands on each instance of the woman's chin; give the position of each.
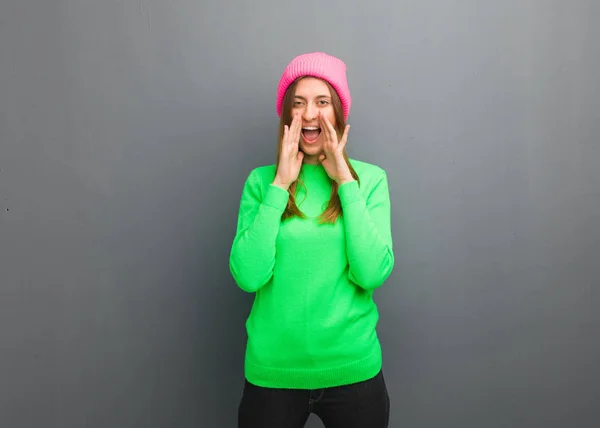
(310, 148)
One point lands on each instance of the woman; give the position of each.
(313, 242)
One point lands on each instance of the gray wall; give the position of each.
(127, 128)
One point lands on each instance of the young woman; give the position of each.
(313, 242)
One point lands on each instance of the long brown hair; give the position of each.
(334, 206)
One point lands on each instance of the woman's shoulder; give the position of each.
(261, 175)
(265, 172)
(366, 169)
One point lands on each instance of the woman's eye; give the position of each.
(323, 102)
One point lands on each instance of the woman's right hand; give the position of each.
(290, 160)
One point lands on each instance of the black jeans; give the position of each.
(359, 405)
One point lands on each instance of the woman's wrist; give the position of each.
(277, 182)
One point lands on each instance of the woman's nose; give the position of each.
(310, 112)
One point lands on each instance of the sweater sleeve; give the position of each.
(252, 255)
(367, 225)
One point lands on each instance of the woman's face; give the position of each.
(312, 96)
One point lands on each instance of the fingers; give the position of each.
(291, 136)
(286, 133)
(330, 132)
(344, 138)
(324, 128)
(295, 129)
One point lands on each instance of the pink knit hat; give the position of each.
(321, 65)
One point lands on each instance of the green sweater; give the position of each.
(313, 321)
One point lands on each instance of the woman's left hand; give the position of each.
(332, 157)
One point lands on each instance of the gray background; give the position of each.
(128, 127)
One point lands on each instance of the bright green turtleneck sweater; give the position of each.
(312, 323)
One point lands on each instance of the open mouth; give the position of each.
(311, 133)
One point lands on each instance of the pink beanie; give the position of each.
(321, 65)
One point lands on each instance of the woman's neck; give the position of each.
(311, 160)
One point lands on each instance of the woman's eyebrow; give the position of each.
(318, 96)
